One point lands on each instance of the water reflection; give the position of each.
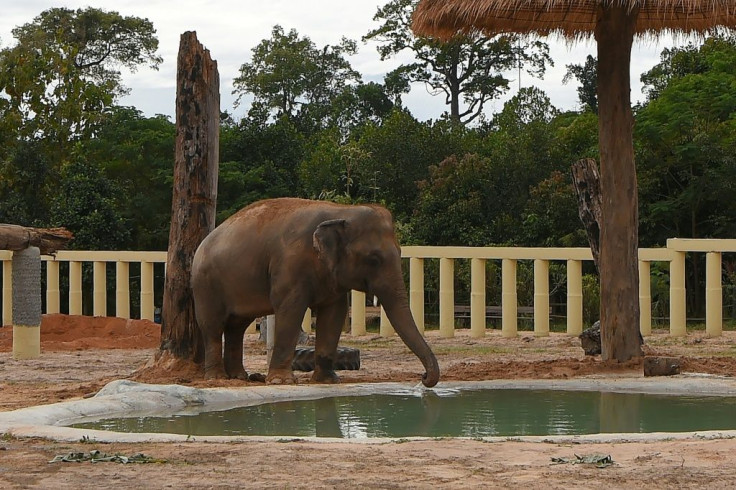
(467, 413)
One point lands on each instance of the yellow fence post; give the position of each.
(447, 297)
(147, 291)
(678, 318)
(307, 321)
(541, 298)
(508, 298)
(645, 298)
(7, 292)
(357, 312)
(416, 291)
(122, 289)
(477, 297)
(99, 289)
(53, 294)
(574, 297)
(713, 295)
(385, 329)
(75, 288)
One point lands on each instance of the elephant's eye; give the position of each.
(373, 260)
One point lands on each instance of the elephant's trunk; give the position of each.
(397, 310)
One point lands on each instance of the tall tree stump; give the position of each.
(587, 182)
(195, 191)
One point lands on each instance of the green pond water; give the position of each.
(451, 413)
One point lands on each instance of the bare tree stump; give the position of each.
(195, 191)
(587, 182)
(48, 240)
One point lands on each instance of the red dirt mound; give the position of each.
(71, 333)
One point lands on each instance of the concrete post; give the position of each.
(713, 295)
(53, 295)
(75, 288)
(477, 298)
(385, 328)
(99, 289)
(541, 298)
(574, 297)
(27, 303)
(645, 298)
(357, 313)
(416, 291)
(306, 321)
(678, 318)
(122, 289)
(508, 298)
(447, 297)
(147, 291)
(270, 336)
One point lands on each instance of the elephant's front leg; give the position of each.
(330, 320)
(286, 334)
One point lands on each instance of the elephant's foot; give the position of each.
(237, 373)
(327, 376)
(280, 377)
(215, 373)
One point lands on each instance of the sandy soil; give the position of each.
(81, 354)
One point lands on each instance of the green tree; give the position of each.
(85, 204)
(467, 70)
(137, 153)
(399, 153)
(587, 76)
(292, 77)
(62, 75)
(259, 160)
(26, 179)
(686, 145)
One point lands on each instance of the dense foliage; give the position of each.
(70, 156)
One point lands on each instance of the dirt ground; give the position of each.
(81, 354)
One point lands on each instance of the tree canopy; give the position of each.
(466, 70)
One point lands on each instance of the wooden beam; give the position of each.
(48, 240)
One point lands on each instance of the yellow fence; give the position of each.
(674, 253)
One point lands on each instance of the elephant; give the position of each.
(285, 255)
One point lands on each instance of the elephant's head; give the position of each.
(361, 253)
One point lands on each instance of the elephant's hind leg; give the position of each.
(234, 333)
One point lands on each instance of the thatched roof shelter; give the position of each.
(572, 19)
(613, 23)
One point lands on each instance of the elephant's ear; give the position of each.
(328, 241)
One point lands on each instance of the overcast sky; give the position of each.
(231, 28)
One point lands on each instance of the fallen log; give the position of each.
(48, 240)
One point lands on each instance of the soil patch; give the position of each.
(82, 354)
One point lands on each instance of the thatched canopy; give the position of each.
(569, 18)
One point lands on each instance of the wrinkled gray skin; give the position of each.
(284, 255)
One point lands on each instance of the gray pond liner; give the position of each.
(128, 399)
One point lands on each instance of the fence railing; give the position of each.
(74, 287)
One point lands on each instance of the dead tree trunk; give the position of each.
(195, 191)
(48, 240)
(587, 183)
